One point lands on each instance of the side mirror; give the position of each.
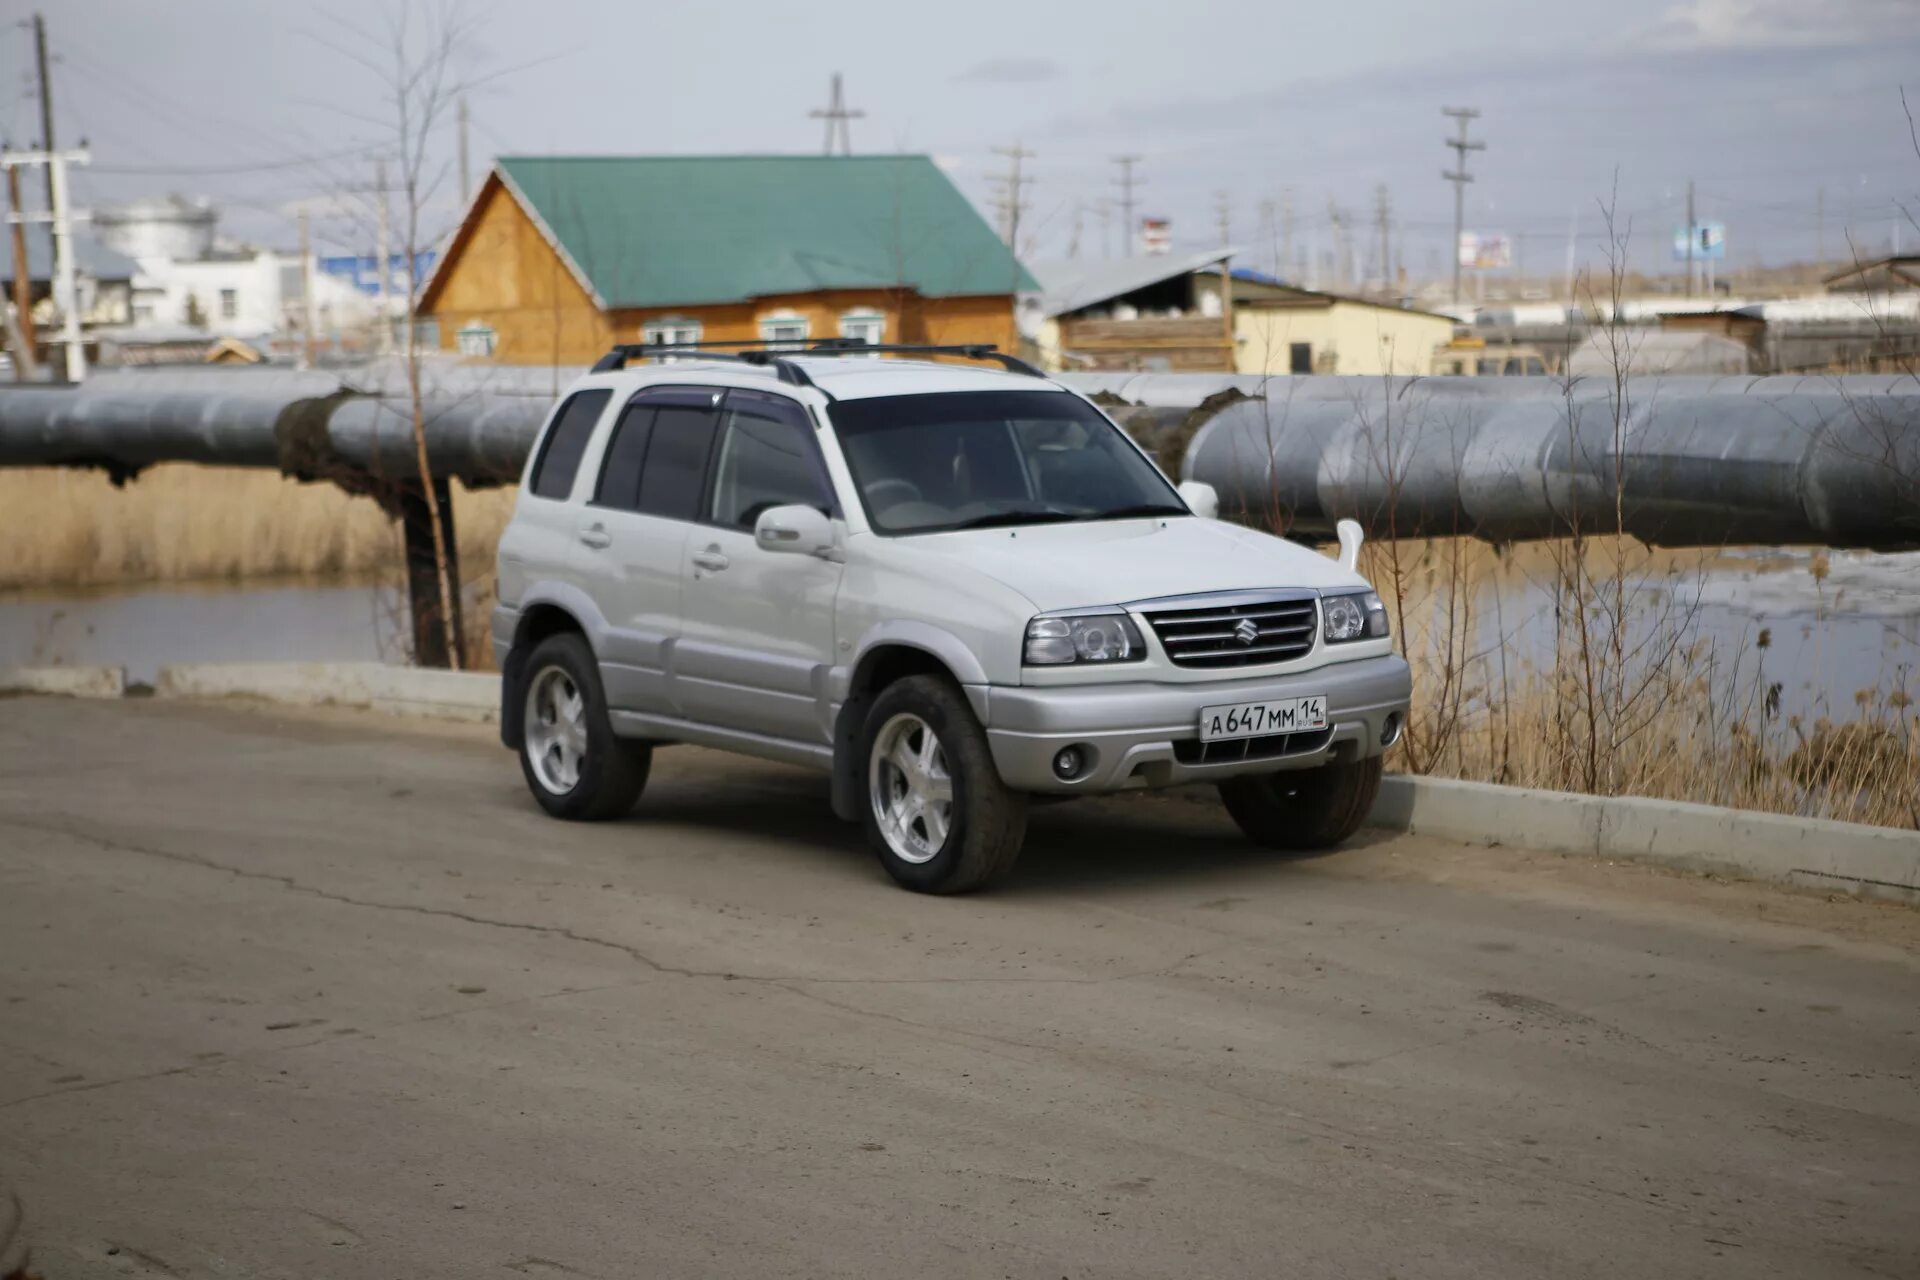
(1204, 500)
(797, 530)
(1351, 535)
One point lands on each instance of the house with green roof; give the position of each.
(561, 257)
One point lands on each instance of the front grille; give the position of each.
(1214, 636)
(1229, 750)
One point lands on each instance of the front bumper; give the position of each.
(1147, 735)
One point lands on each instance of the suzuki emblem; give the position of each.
(1247, 632)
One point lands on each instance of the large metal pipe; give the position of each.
(1674, 461)
(1701, 461)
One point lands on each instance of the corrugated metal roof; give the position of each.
(1084, 282)
(646, 231)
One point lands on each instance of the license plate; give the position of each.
(1254, 719)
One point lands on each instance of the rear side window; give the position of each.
(676, 463)
(566, 444)
(620, 474)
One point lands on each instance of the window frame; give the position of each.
(863, 316)
(229, 303)
(786, 316)
(660, 331)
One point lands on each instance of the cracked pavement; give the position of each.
(316, 994)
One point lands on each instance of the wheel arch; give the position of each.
(546, 611)
(890, 654)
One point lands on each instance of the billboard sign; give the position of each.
(1709, 240)
(362, 271)
(1486, 250)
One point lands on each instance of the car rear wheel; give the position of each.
(936, 812)
(574, 764)
(1303, 808)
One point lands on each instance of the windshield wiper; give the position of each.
(1139, 509)
(999, 518)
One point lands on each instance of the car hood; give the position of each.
(1070, 566)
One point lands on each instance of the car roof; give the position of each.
(840, 377)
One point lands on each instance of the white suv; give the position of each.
(950, 587)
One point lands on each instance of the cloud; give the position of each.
(1011, 71)
(1759, 24)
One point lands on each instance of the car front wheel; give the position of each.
(1304, 808)
(574, 764)
(936, 812)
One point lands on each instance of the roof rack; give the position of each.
(769, 353)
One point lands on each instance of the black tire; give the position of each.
(987, 822)
(1303, 808)
(613, 771)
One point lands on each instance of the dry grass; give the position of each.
(63, 529)
(1688, 718)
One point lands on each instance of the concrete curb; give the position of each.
(403, 691)
(66, 682)
(1872, 861)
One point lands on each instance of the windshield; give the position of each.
(976, 459)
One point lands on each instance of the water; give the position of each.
(1859, 628)
(145, 629)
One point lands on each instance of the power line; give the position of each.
(1459, 177)
(213, 170)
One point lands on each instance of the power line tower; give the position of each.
(1383, 228)
(1337, 218)
(1459, 177)
(1011, 201)
(1127, 183)
(837, 114)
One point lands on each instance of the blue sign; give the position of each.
(363, 270)
(1709, 241)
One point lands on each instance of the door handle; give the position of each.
(712, 560)
(596, 536)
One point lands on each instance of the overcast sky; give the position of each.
(1763, 103)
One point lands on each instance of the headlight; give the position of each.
(1354, 617)
(1084, 637)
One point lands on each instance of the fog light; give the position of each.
(1390, 729)
(1068, 763)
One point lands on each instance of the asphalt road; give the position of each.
(325, 995)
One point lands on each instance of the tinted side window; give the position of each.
(766, 460)
(566, 443)
(620, 474)
(676, 463)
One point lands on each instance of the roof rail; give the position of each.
(769, 353)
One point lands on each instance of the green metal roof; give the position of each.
(649, 231)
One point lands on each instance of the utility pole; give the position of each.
(66, 283)
(466, 188)
(1011, 201)
(1338, 221)
(1270, 232)
(1820, 221)
(1383, 226)
(836, 113)
(1223, 216)
(1690, 237)
(1286, 229)
(45, 83)
(306, 292)
(1459, 177)
(1103, 207)
(25, 357)
(1128, 231)
(383, 266)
